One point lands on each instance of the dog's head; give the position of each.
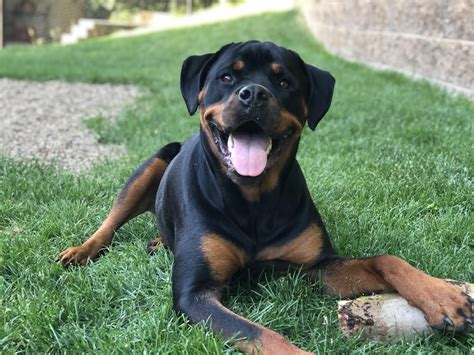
(254, 99)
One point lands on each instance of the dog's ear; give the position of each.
(193, 76)
(321, 88)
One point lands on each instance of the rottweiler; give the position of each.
(234, 195)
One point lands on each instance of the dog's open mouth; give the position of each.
(246, 149)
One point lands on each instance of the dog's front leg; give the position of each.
(249, 337)
(444, 305)
(199, 275)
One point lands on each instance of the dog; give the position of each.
(234, 195)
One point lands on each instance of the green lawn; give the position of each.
(390, 168)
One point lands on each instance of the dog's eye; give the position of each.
(284, 84)
(226, 79)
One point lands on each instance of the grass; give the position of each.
(390, 168)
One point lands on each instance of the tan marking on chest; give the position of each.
(303, 250)
(223, 257)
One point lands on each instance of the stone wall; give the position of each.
(433, 39)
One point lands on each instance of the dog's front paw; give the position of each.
(270, 343)
(80, 255)
(446, 306)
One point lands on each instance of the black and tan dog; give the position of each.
(234, 195)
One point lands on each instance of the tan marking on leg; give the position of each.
(131, 202)
(153, 245)
(436, 298)
(269, 343)
(224, 257)
(156, 241)
(351, 277)
(303, 250)
(238, 65)
(137, 198)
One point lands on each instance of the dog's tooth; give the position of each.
(269, 147)
(230, 143)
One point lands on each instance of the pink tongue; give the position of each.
(249, 156)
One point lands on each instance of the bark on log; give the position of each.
(385, 317)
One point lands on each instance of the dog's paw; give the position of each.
(153, 245)
(80, 255)
(447, 307)
(270, 343)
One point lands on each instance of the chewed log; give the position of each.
(385, 317)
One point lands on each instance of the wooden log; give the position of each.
(386, 317)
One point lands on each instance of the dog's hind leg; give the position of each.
(137, 196)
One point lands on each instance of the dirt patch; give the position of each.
(45, 120)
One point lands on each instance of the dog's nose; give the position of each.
(253, 95)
